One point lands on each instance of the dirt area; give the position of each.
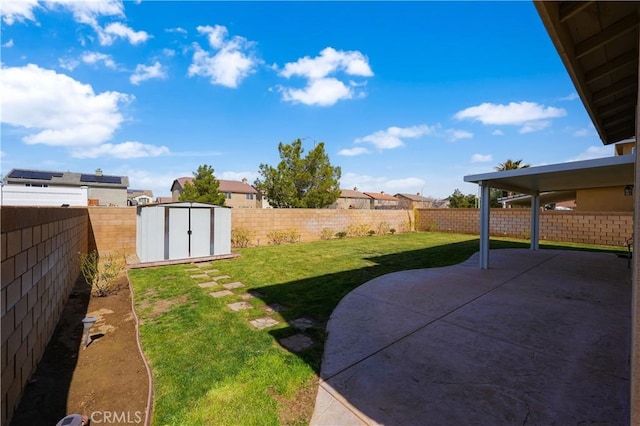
(106, 381)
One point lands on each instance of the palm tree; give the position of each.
(511, 165)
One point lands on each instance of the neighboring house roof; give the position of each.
(233, 186)
(413, 197)
(39, 177)
(353, 193)
(381, 196)
(160, 200)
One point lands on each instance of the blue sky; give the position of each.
(407, 97)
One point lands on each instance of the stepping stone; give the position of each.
(197, 277)
(209, 284)
(247, 296)
(239, 306)
(220, 277)
(195, 270)
(236, 284)
(264, 322)
(221, 293)
(297, 342)
(274, 307)
(203, 264)
(303, 323)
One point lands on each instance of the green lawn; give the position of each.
(210, 366)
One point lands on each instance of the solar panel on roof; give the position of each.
(32, 174)
(101, 179)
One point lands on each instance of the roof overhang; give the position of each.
(597, 173)
(598, 44)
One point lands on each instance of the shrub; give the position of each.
(341, 234)
(357, 230)
(371, 232)
(383, 228)
(241, 237)
(101, 276)
(326, 234)
(277, 237)
(392, 231)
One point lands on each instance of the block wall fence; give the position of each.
(39, 250)
(601, 228)
(39, 269)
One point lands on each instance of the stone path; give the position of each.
(295, 343)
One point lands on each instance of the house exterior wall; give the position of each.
(39, 269)
(604, 199)
(240, 201)
(109, 196)
(602, 228)
(53, 196)
(351, 203)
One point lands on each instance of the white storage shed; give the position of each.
(182, 230)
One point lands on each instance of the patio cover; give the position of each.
(598, 173)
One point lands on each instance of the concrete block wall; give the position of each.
(310, 222)
(602, 228)
(39, 248)
(113, 230)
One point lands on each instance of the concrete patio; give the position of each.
(542, 337)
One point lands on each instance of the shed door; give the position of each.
(201, 232)
(178, 233)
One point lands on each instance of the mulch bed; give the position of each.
(106, 381)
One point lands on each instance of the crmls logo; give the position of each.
(116, 417)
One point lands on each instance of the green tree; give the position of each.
(300, 182)
(458, 200)
(204, 188)
(511, 165)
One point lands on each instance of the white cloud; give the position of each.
(229, 175)
(121, 150)
(497, 132)
(330, 61)
(144, 72)
(366, 183)
(481, 158)
(95, 57)
(392, 137)
(178, 30)
(115, 30)
(8, 44)
(56, 109)
(570, 97)
(216, 35)
(585, 131)
(169, 53)
(322, 90)
(455, 134)
(17, 10)
(530, 115)
(594, 152)
(87, 12)
(352, 152)
(232, 63)
(68, 64)
(534, 126)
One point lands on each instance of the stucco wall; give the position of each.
(109, 196)
(605, 228)
(604, 199)
(39, 250)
